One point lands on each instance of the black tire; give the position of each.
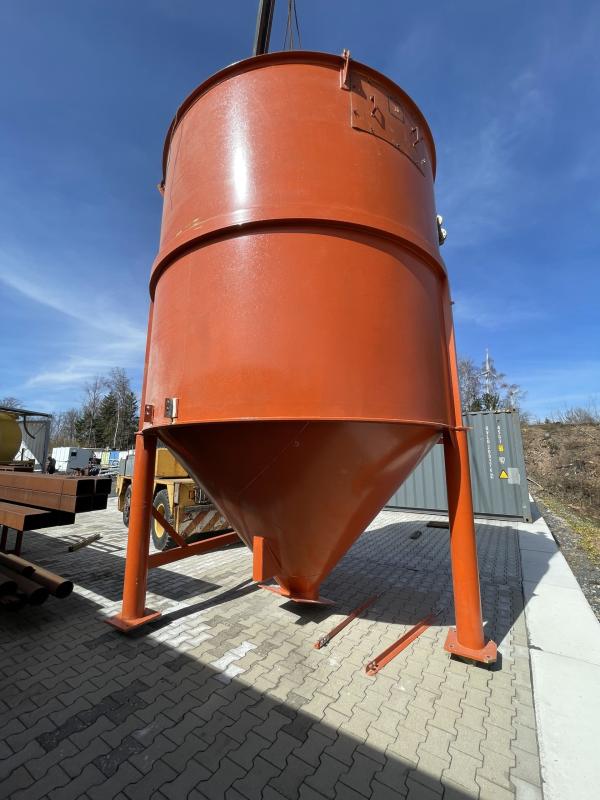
(127, 506)
(160, 538)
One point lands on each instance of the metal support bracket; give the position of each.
(373, 667)
(177, 537)
(345, 71)
(323, 641)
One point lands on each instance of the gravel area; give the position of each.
(584, 569)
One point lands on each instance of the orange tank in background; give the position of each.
(300, 357)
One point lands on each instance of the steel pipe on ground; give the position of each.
(57, 585)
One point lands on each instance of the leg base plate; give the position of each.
(319, 601)
(486, 654)
(126, 625)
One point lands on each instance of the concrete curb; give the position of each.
(564, 647)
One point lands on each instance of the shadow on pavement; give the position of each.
(103, 714)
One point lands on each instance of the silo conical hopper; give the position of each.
(300, 355)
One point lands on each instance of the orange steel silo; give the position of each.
(300, 358)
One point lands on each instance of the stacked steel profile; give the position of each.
(300, 358)
(29, 501)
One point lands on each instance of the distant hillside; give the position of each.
(565, 461)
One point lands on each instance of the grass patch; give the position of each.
(587, 529)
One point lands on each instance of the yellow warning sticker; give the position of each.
(504, 474)
(500, 448)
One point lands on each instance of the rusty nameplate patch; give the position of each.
(374, 111)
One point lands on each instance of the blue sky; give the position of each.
(511, 91)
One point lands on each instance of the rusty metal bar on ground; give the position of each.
(373, 667)
(84, 542)
(324, 640)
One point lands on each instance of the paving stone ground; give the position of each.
(225, 697)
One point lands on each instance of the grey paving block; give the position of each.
(96, 749)
(325, 778)
(247, 751)
(526, 768)
(40, 766)
(491, 791)
(77, 787)
(406, 745)
(159, 774)
(252, 784)
(496, 768)
(462, 771)
(110, 762)
(361, 773)
(281, 748)
(313, 747)
(17, 780)
(379, 791)
(418, 791)
(375, 745)
(525, 790)
(111, 787)
(161, 747)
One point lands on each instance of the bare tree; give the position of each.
(118, 386)
(484, 388)
(63, 430)
(10, 402)
(580, 415)
(94, 392)
(469, 379)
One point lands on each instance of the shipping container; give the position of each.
(497, 470)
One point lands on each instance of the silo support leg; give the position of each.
(133, 612)
(467, 640)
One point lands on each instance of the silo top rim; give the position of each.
(290, 57)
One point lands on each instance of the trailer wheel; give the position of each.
(160, 538)
(127, 506)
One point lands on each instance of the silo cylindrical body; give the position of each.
(299, 336)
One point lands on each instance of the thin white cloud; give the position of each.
(551, 388)
(80, 305)
(102, 337)
(479, 310)
(479, 189)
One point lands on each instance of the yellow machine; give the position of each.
(177, 497)
(10, 436)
